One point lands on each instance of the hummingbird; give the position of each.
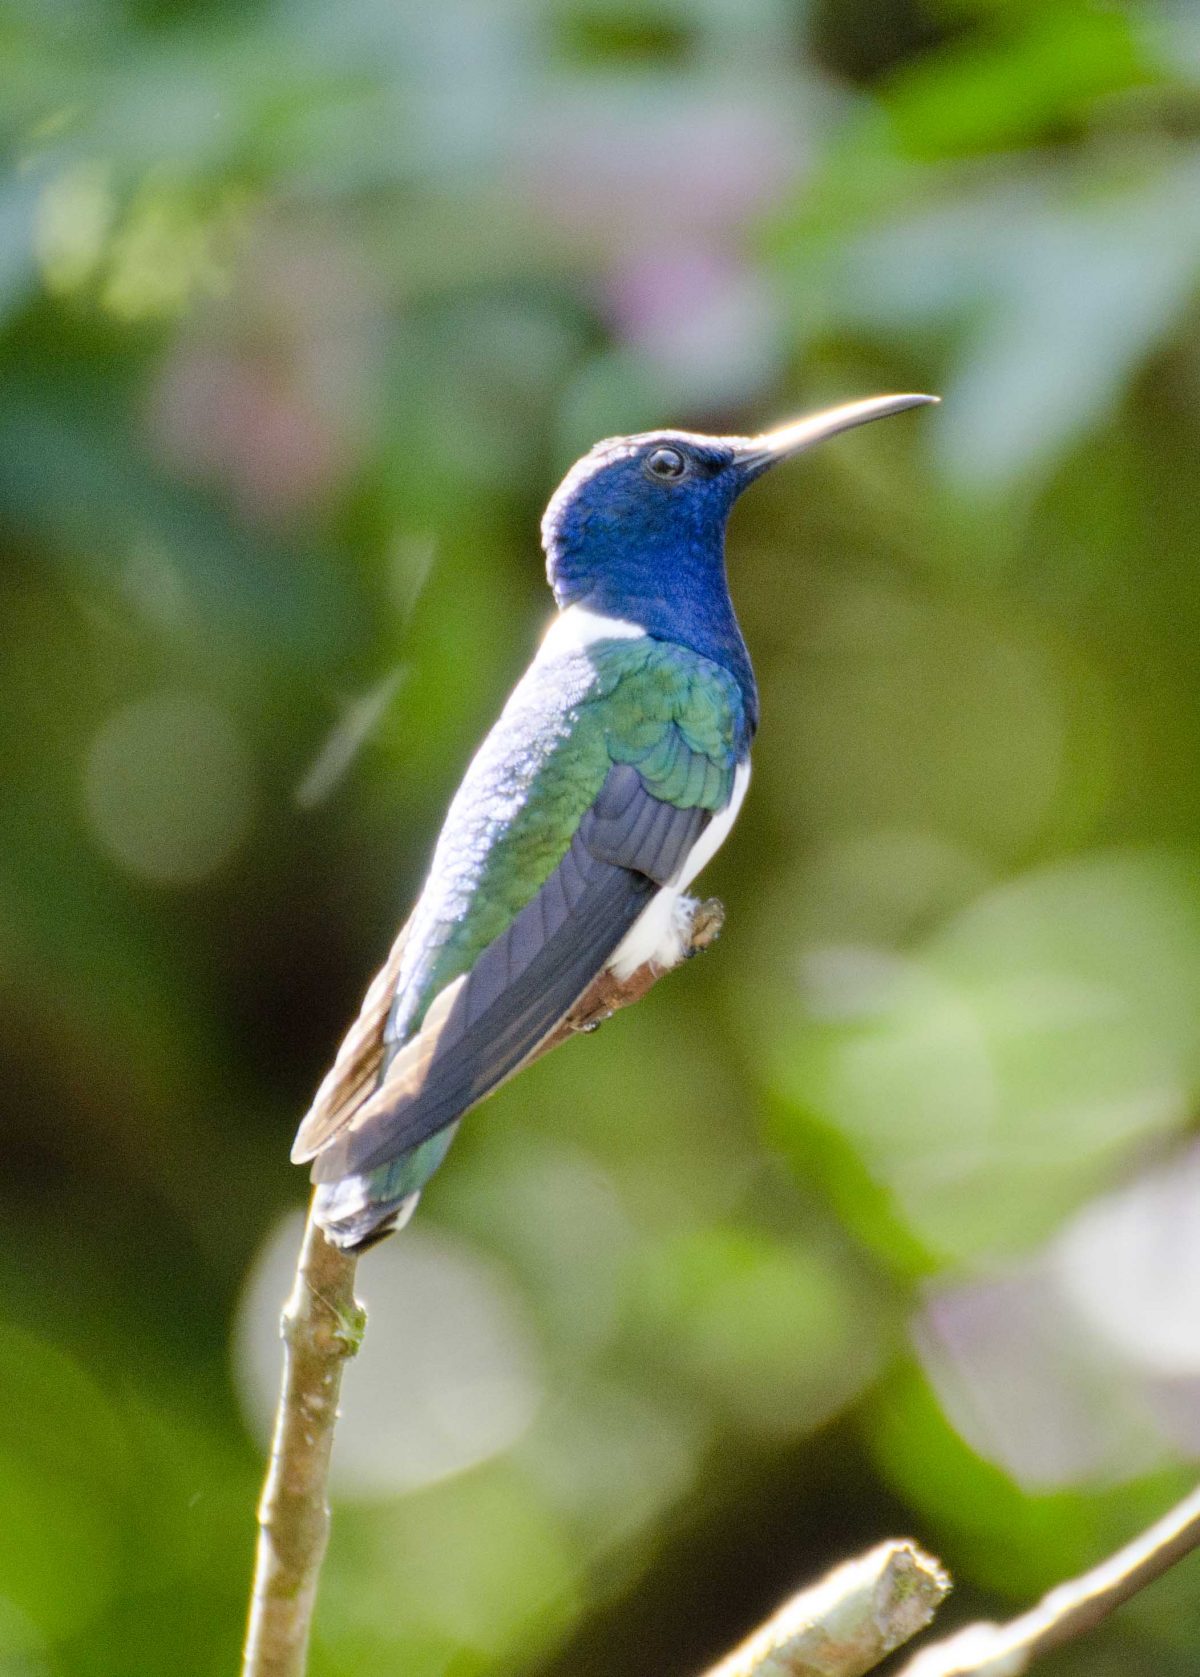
(614, 773)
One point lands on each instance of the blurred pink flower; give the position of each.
(696, 310)
(277, 424)
(219, 418)
(611, 161)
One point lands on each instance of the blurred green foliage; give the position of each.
(874, 1220)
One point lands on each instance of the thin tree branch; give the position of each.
(849, 1621)
(1069, 1610)
(842, 1626)
(323, 1325)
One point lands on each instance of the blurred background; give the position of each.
(879, 1220)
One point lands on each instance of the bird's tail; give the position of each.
(359, 1209)
(352, 1219)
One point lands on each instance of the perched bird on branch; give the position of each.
(615, 771)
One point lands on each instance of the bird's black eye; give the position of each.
(666, 463)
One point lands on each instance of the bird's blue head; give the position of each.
(636, 529)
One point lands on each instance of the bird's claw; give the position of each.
(708, 919)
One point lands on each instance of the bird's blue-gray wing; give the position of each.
(593, 786)
(488, 1022)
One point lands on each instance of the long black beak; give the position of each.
(755, 454)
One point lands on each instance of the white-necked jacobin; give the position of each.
(615, 771)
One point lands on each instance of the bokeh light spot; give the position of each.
(1130, 1263)
(1027, 1387)
(167, 787)
(23, 1651)
(448, 1374)
(63, 1467)
(74, 218)
(780, 1336)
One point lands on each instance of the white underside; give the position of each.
(577, 628)
(659, 932)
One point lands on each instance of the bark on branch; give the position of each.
(845, 1625)
(849, 1621)
(322, 1327)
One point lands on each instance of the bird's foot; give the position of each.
(706, 920)
(697, 925)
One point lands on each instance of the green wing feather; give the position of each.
(676, 717)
